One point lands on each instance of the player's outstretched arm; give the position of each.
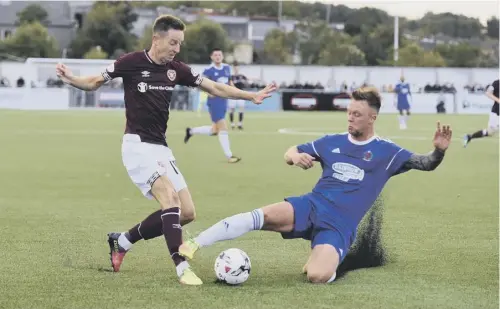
(87, 83)
(230, 92)
(426, 162)
(300, 159)
(431, 161)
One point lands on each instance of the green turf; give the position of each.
(63, 187)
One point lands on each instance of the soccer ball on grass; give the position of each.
(232, 266)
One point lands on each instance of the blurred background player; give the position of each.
(221, 73)
(492, 93)
(239, 81)
(402, 96)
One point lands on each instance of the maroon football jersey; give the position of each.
(148, 89)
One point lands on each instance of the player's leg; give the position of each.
(329, 247)
(491, 130)
(322, 264)
(220, 123)
(164, 192)
(407, 116)
(241, 106)
(402, 117)
(152, 226)
(231, 106)
(278, 217)
(203, 130)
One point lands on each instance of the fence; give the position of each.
(189, 99)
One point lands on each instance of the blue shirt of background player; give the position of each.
(354, 173)
(402, 90)
(220, 75)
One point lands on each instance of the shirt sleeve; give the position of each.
(397, 158)
(188, 76)
(119, 68)
(312, 148)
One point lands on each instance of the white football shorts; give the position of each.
(493, 122)
(146, 162)
(236, 103)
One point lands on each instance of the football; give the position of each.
(232, 266)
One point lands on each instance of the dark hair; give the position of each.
(368, 94)
(215, 49)
(166, 22)
(235, 63)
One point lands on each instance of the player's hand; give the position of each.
(264, 93)
(64, 73)
(442, 137)
(303, 160)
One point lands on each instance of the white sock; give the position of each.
(181, 268)
(204, 130)
(231, 227)
(124, 242)
(405, 118)
(224, 142)
(332, 278)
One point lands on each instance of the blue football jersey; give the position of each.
(354, 173)
(402, 90)
(219, 75)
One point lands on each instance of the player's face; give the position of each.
(360, 117)
(217, 57)
(168, 44)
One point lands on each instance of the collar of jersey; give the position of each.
(361, 143)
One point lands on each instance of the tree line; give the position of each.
(367, 38)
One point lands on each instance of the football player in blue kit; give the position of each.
(221, 73)
(403, 99)
(356, 166)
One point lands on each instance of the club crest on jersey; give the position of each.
(194, 73)
(171, 74)
(111, 68)
(368, 156)
(346, 171)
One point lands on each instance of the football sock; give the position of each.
(172, 231)
(479, 134)
(231, 117)
(224, 142)
(241, 119)
(149, 228)
(332, 278)
(181, 267)
(124, 242)
(204, 130)
(231, 227)
(402, 120)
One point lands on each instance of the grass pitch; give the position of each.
(63, 187)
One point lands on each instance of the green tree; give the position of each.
(32, 13)
(277, 48)
(341, 54)
(457, 26)
(144, 42)
(201, 37)
(412, 55)
(492, 27)
(107, 25)
(462, 55)
(96, 53)
(312, 38)
(31, 40)
(366, 17)
(377, 43)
